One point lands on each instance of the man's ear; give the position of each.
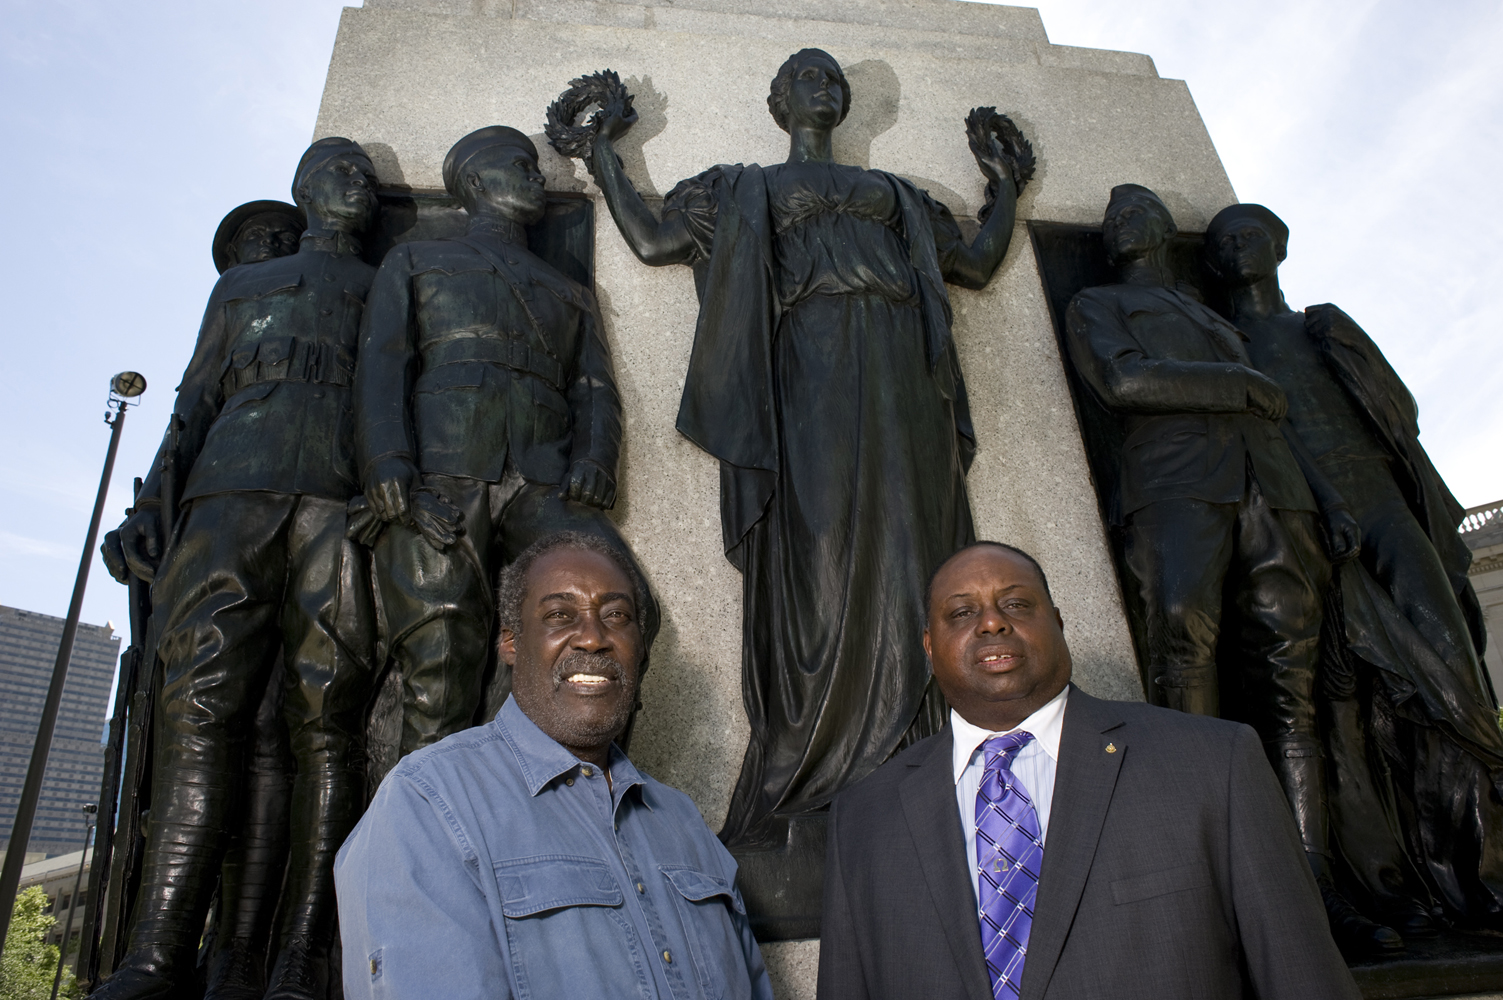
(928, 650)
(508, 647)
(1059, 619)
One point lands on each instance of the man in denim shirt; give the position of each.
(528, 857)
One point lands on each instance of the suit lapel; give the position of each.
(928, 798)
(1083, 786)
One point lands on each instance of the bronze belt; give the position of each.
(287, 359)
(511, 354)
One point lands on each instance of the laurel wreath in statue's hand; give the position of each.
(603, 91)
(996, 141)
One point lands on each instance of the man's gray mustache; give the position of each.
(577, 662)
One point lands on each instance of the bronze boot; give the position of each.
(1301, 770)
(300, 973)
(182, 852)
(236, 973)
(256, 862)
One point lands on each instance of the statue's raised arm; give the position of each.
(1006, 159)
(1002, 152)
(654, 242)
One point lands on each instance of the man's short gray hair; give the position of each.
(512, 589)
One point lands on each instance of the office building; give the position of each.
(28, 649)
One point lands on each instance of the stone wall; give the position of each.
(408, 77)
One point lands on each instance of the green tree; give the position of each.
(29, 963)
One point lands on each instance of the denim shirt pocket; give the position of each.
(705, 904)
(565, 933)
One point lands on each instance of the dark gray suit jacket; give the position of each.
(1171, 870)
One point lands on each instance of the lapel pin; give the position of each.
(1111, 748)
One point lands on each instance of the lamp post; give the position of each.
(123, 388)
(62, 951)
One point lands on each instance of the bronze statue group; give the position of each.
(357, 452)
(1295, 565)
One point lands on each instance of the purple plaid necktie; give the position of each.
(1009, 855)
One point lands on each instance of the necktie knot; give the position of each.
(999, 751)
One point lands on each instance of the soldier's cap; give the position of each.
(322, 152)
(482, 138)
(1249, 212)
(1137, 192)
(224, 236)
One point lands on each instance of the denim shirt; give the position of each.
(496, 864)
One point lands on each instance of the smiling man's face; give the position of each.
(995, 639)
(577, 661)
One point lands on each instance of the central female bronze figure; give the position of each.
(825, 380)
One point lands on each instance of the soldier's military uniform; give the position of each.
(255, 860)
(259, 564)
(1404, 684)
(488, 369)
(1216, 514)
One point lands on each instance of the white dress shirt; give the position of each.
(1034, 767)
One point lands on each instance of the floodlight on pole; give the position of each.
(123, 388)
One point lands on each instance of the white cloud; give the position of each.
(12, 544)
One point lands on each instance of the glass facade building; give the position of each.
(28, 648)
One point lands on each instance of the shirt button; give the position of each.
(326, 312)
(668, 957)
(328, 277)
(569, 782)
(587, 772)
(641, 887)
(334, 255)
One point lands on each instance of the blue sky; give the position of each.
(1375, 129)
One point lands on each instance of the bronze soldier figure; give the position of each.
(256, 856)
(1215, 513)
(1406, 607)
(487, 417)
(258, 564)
(255, 859)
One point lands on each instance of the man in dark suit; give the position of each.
(1047, 844)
